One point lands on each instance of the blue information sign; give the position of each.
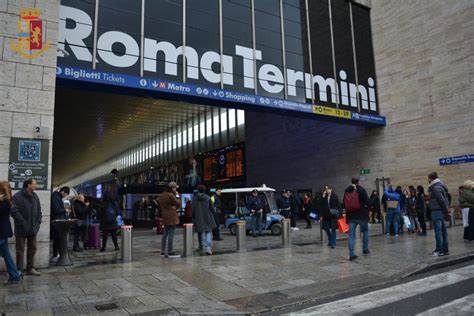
(191, 90)
(446, 161)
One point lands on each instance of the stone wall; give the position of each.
(424, 65)
(27, 94)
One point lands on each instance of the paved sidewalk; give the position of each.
(229, 283)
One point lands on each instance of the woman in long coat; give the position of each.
(330, 210)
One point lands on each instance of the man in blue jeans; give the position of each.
(439, 203)
(356, 203)
(255, 206)
(392, 209)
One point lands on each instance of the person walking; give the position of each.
(108, 221)
(58, 211)
(295, 206)
(283, 204)
(255, 206)
(411, 209)
(402, 203)
(330, 212)
(81, 211)
(356, 202)
(421, 209)
(217, 211)
(466, 202)
(307, 209)
(375, 206)
(203, 218)
(26, 212)
(6, 232)
(392, 209)
(438, 205)
(170, 204)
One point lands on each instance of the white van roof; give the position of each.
(247, 190)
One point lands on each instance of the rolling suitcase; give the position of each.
(93, 240)
(160, 228)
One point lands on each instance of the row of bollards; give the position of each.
(241, 236)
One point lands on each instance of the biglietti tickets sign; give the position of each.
(140, 45)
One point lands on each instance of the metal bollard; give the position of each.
(127, 243)
(188, 240)
(452, 218)
(285, 232)
(241, 236)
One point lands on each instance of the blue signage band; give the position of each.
(192, 90)
(446, 161)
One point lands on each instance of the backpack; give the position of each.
(351, 201)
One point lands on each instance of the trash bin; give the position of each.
(127, 243)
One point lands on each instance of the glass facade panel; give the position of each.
(268, 40)
(321, 53)
(202, 35)
(365, 57)
(216, 124)
(224, 121)
(208, 127)
(296, 47)
(119, 22)
(237, 30)
(202, 130)
(163, 22)
(232, 118)
(345, 70)
(86, 46)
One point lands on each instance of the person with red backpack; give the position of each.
(356, 201)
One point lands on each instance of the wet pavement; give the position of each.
(227, 283)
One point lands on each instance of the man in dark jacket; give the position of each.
(255, 206)
(217, 211)
(356, 203)
(26, 212)
(295, 207)
(57, 212)
(438, 205)
(203, 218)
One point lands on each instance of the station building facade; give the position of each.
(295, 93)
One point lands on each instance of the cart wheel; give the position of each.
(232, 229)
(276, 229)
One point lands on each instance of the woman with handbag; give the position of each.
(330, 212)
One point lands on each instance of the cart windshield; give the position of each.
(271, 200)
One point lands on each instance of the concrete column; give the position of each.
(27, 88)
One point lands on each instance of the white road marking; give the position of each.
(386, 296)
(459, 307)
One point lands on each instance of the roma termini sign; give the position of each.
(165, 66)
